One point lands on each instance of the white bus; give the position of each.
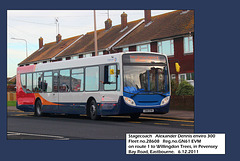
(128, 83)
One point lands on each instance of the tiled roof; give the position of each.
(49, 50)
(162, 26)
(105, 39)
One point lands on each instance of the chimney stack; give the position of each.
(123, 20)
(58, 38)
(148, 18)
(108, 24)
(40, 42)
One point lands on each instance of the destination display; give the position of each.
(143, 58)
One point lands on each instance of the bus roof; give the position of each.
(90, 61)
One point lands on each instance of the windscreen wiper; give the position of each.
(159, 94)
(135, 94)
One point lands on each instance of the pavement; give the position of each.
(176, 114)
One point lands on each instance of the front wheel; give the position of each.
(93, 111)
(38, 108)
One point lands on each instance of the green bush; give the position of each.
(184, 89)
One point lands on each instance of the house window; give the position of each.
(100, 53)
(188, 44)
(145, 47)
(182, 77)
(189, 77)
(125, 49)
(87, 55)
(75, 57)
(173, 76)
(166, 47)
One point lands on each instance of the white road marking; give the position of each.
(40, 135)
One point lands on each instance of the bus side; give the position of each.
(75, 100)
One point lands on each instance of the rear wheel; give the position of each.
(93, 111)
(135, 116)
(38, 108)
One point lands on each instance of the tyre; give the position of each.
(93, 111)
(38, 109)
(135, 116)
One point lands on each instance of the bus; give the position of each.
(128, 83)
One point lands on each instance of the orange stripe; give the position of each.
(44, 101)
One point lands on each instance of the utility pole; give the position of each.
(95, 34)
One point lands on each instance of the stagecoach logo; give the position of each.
(112, 59)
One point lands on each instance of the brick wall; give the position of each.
(182, 103)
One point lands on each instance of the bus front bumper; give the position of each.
(121, 108)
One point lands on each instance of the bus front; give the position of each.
(146, 84)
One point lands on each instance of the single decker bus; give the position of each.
(128, 83)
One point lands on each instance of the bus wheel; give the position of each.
(135, 116)
(93, 110)
(38, 108)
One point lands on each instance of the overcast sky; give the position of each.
(33, 24)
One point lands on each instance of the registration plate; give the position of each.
(148, 110)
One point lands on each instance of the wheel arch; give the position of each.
(37, 99)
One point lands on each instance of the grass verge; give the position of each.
(11, 103)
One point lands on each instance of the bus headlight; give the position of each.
(129, 101)
(165, 101)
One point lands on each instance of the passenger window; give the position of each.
(112, 74)
(47, 84)
(77, 79)
(37, 82)
(92, 79)
(55, 81)
(64, 84)
(29, 83)
(23, 81)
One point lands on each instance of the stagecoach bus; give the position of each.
(128, 83)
